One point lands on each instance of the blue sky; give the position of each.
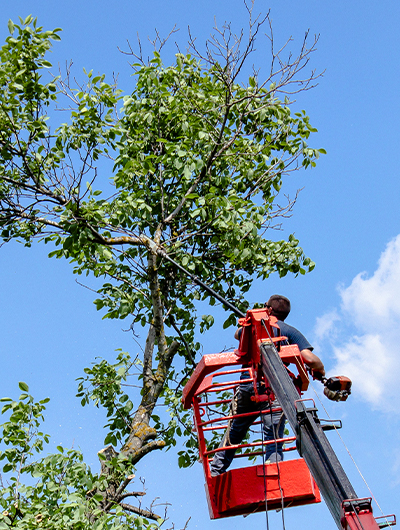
(346, 217)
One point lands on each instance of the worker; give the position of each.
(273, 422)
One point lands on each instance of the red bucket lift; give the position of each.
(252, 488)
(273, 486)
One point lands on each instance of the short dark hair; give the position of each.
(280, 306)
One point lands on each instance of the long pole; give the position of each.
(199, 282)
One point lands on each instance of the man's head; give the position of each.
(279, 305)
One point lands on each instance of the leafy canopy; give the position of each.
(189, 164)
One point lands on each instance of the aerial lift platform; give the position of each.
(288, 483)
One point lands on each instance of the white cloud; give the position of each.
(325, 328)
(378, 295)
(369, 318)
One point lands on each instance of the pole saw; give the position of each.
(337, 388)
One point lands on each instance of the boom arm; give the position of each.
(347, 510)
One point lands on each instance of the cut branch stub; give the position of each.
(107, 454)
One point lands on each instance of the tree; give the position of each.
(196, 154)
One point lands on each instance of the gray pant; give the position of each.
(273, 427)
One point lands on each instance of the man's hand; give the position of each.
(317, 375)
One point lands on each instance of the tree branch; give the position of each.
(144, 513)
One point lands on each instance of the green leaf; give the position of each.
(23, 386)
(11, 26)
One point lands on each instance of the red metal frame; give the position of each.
(246, 490)
(259, 487)
(254, 487)
(357, 515)
(247, 354)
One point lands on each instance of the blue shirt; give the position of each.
(293, 337)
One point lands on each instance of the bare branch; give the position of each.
(157, 43)
(140, 511)
(124, 484)
(132, 494)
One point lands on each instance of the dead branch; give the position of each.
(140, 511)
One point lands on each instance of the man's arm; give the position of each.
(314, 362)
(311, 360)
